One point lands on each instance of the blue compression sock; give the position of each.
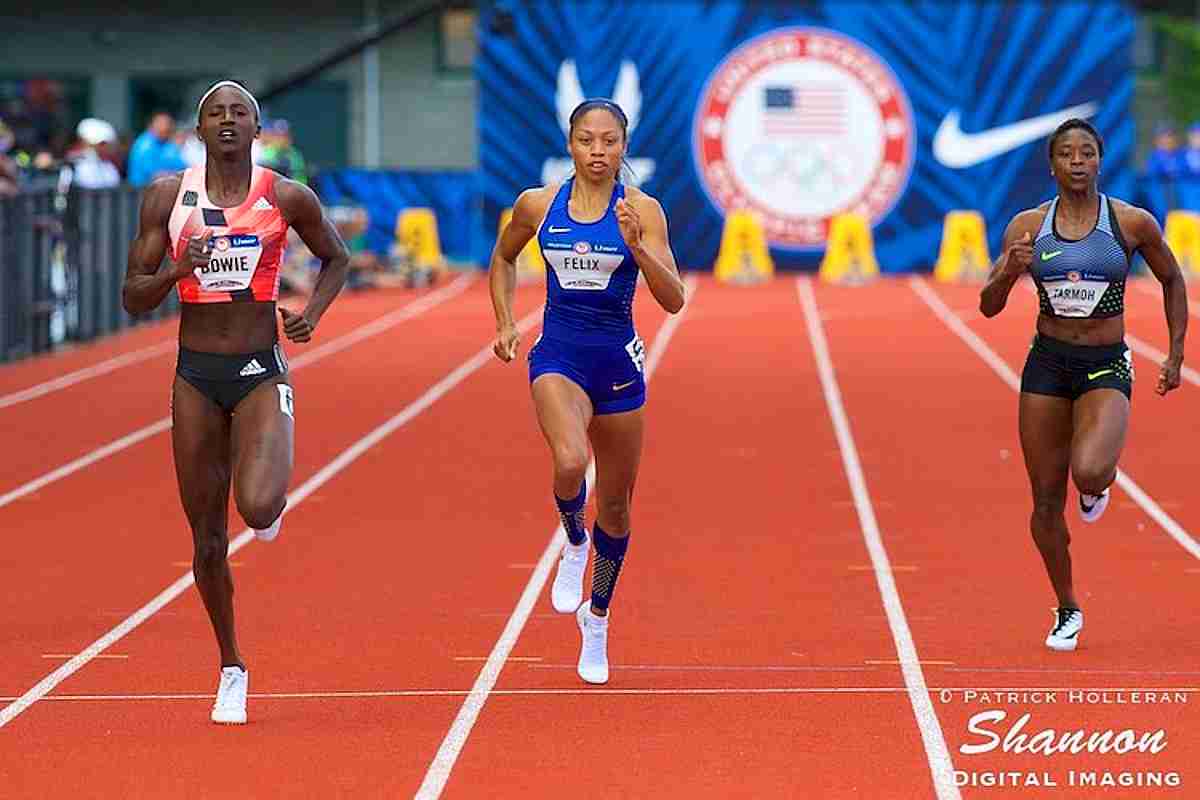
(572, 514)
(606, 567)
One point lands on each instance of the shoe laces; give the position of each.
(596, 626)
(229, 679)
(1064, 617)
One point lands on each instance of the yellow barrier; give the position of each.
(416, 229)
(529, 260)
(850, 251)
(963, 255)
(1183, 237)
(743, 257)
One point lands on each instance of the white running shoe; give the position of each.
(593, 653)
(566, 593)
(1068, 622)
(230, 707)
(1091, 506)
(269, 534)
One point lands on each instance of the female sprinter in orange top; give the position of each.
(596, 235)
(224, 226)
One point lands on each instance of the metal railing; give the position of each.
(62, 263)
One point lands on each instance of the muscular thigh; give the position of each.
(1046, 429)
(1101, 419)
(263, 431)
(200, 441)
(617, 443)
(563, 410)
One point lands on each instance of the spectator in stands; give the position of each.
(279, 153)
(91, 166)
(10, 174)
(154, 152)
(190, 147)
(367, 269)
(1164, 161)
(1191, 153)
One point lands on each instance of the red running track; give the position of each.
(750, 649)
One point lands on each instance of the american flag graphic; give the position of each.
(807, 110)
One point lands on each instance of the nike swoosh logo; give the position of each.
(959, 150)
(1048, 256)
(617, 388)
(1093, 375)
(553, 229)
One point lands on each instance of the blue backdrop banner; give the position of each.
(901, 111)
(385, 193)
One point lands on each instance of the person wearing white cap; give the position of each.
(90, 170)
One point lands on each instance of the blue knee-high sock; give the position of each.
(606, 567)
(572, 514)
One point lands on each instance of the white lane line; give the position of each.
(713, 668)
(406, 312)
(58, 656)
(1151, 352)
(940, 766)
(1152, 287)
(443, 762)
(84, 461)
(593, 691)
(1077, 670)
(414, 309)
(85, 373)
(294, 499)
(998, 365)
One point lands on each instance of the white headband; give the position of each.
(239, 87)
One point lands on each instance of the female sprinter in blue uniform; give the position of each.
(1078, 378)
(222, 227)
(586, 368)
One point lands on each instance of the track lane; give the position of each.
(118, 533)
(54, 430)
(380, 580)
(744, 571)
(997, 589)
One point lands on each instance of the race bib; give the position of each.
(582, 266)
(637, 353)
(232, 263)
(1074, 295)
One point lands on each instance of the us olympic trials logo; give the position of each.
(627, 93)
(801, 124)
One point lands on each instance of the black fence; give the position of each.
(62, 263)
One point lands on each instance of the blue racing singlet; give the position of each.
(1081, 277)
(591, 277)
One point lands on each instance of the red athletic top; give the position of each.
(247, 242)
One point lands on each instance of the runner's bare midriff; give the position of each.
(228, 327)
(1090, 332)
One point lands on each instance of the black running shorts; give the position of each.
(227, 378)
(1068, 370)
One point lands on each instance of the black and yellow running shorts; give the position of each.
(1062, 369)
